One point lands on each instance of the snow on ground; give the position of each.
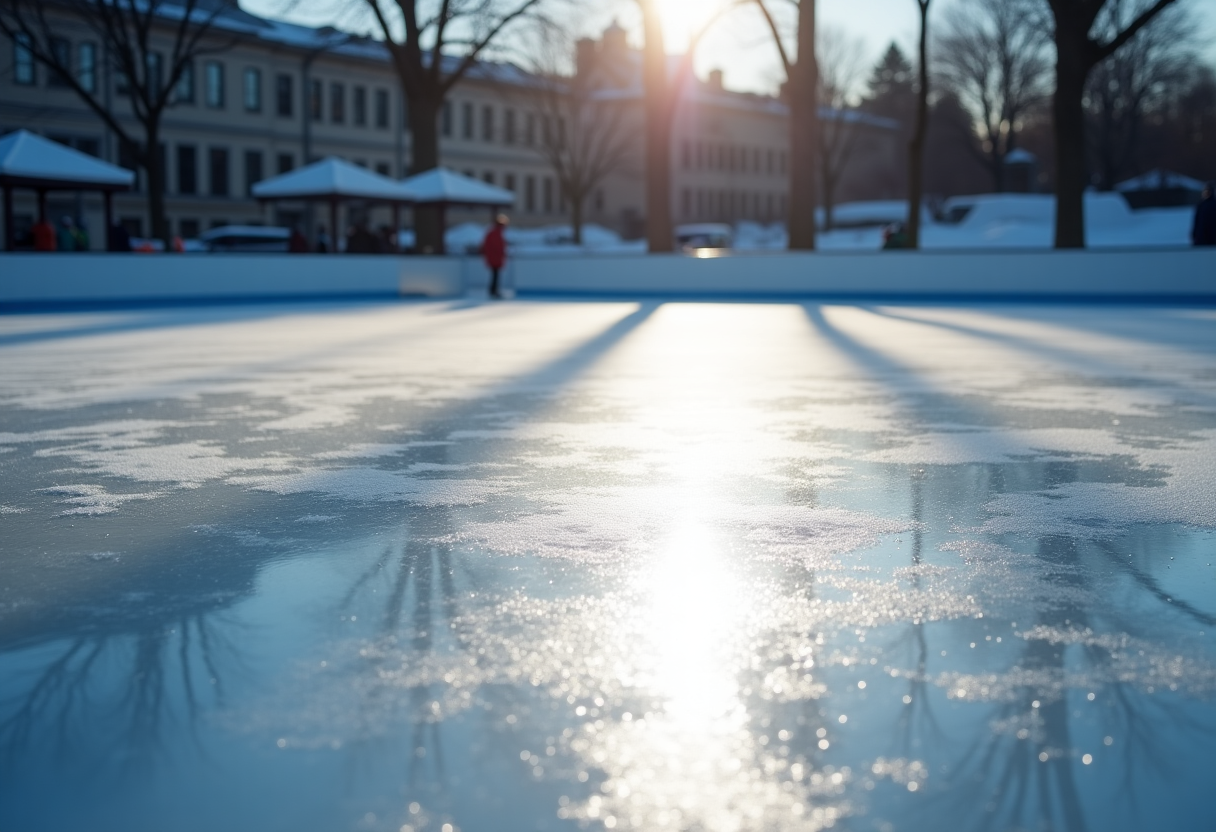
(991, 221)
(632, 565)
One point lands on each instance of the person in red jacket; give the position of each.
(44, 236)
(494, 250)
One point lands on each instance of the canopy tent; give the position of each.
(445, 188)
(27, 160)
(334, 181)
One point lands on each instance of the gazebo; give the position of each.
(29, 161)
(445, 189)
(334, 181)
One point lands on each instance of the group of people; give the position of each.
(69, 236)
(359, 240)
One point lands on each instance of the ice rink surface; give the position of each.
(655, 566)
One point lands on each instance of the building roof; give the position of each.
(443, 186)
(28, 159)
(332, 178)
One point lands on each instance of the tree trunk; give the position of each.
(1069, 114)
(658, 133)
(804, 133)
(916, 148)
(424, 134)
(154, 165)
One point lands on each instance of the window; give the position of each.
(337, 103)
(599, 200)
(548, 190)
(61, 50)
(86, 67)
(685, 155)
(508, 127)
(253, 170)
(488, 177)
(509, 182)
(187, 169)
(214, 81)
(154, 64)
(285, 163)
(23, 60)
(487, 123)
(188, 229)
(382, 109)
(359, 105)
(466, 127)
(284, 96)
(530, 129)
(316, 101)
(686, 202)
(530, 194)
(219, 171)
(183, 93)
(91, 147)
(781, 157)
(445, 121)
(382, 168)
(253, 90)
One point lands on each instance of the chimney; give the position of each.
(615, 42)
(584, 57)
(715, 80)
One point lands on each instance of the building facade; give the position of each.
(278, 95)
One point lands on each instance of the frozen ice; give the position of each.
(631, 565)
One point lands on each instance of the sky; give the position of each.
(739, 44)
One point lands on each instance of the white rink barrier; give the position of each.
(1185, 274)
(27, 279)
(1160, 273)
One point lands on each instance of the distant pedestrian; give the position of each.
(44, 236)
(119, 238)
(323, 244)
(360, 240)
(297, 243)
(1203, 233)
(494, 250)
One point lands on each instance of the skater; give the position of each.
(494, 250)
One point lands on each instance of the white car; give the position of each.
(705, 235)
(246, 238)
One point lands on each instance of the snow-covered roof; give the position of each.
(332, 178)
(1160, 180)
(440, 185)
(28, 157)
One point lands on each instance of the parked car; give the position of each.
(246, 238)
(704, 235)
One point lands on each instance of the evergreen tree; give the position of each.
(891, 80)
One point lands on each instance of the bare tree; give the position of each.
(993, 55)
(1079, 48)
(662, 95)
(419, 35)
(583, 134)
(151, 44)
(916, 148)
(802, 74)
(1133, 81)
(841, 65)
